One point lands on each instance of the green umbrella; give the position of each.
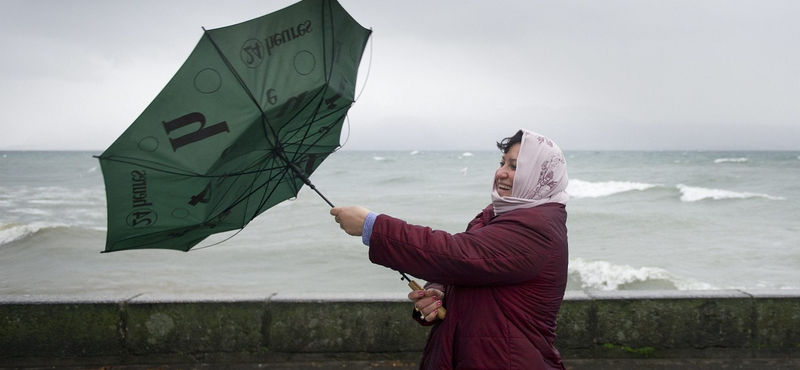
(252, 112)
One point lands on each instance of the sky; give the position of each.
(443, 75)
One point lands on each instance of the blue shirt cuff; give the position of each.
(366, 232)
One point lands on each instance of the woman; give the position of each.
(502, 280)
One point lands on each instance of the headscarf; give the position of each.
(540, 177)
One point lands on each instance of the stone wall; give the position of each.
(153, 329)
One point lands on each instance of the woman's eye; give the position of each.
(513, 167)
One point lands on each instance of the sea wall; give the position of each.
(272, 329)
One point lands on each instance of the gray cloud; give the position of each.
(686, 75)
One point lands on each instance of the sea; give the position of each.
(638, 220)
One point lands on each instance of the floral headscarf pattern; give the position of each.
(541, 176)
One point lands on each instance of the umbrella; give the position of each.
(253, 111)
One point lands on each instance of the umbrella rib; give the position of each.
(279, 177)
(328, 72)
(129, 160)
(139, 162)
(306, 124)
(326, 68)
(241, 83)
(244, 197)
(314, 143)
(275, 141)
(266, 124)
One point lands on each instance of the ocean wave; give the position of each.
(694, 194)
(604, 276)
(731, 160)
(586, 189)
(12, 232)
(30, 211)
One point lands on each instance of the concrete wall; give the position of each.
(153, 329)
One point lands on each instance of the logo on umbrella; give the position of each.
(252, 53)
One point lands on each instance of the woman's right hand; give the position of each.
(350, 219)
(427, 302)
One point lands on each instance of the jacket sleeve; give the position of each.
(510, 249)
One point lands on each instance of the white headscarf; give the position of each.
(540, 177)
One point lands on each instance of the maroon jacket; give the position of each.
(504, 281)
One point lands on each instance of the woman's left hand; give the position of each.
(427, 302)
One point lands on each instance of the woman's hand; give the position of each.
(427, 303)
(350, 219)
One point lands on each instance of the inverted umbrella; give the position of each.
(252, 112)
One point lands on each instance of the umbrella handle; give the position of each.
(441, 312)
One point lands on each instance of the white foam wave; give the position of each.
(602, 275)
(731, 160)
(467, 154)
(12, 232)
(694, 194)
(379, 158)
(586, 189)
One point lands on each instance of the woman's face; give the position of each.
(504, 176)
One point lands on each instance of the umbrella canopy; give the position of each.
(255, 108)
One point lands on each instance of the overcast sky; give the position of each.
(454, 74)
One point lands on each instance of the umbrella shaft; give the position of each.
(306, 180)
(322, 196)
